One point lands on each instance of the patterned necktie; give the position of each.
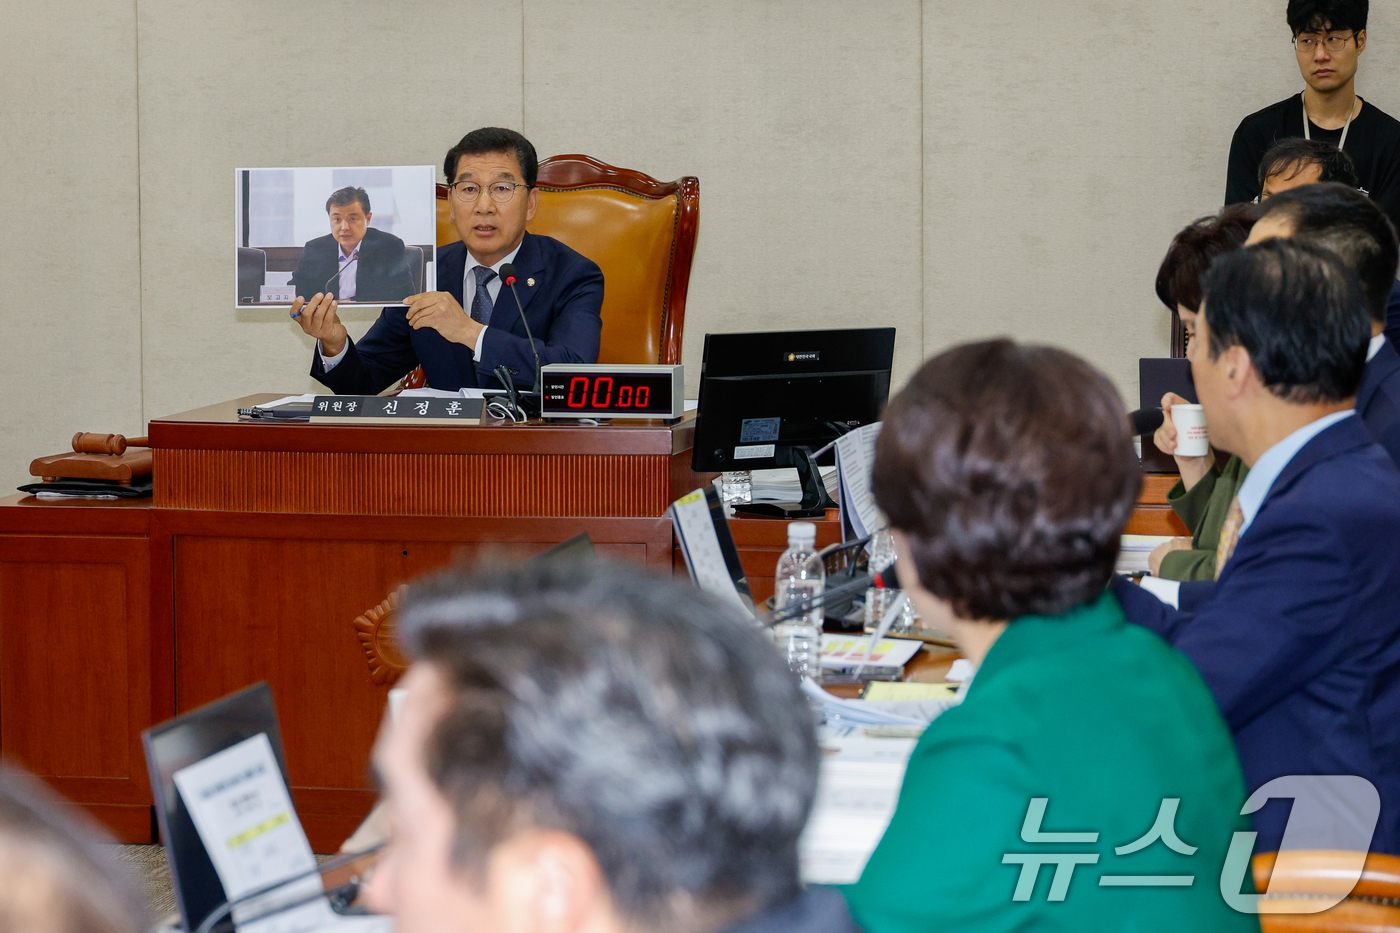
(1229, 535)
(481, 304)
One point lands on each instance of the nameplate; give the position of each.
(375, 409)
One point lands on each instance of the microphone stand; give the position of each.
(509, 276)
(345, 893)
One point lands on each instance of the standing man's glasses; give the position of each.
(1309, 44)
(469, 191)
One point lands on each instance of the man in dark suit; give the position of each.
(459, 336)
(1344, 220)
(1299, 637)
(354, 262)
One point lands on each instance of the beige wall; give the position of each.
(1019, 171)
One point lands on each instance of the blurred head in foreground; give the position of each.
(1294, 163)
(55, 876)
(1007, 472)
(585, 746)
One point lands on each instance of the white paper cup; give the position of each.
(1191, 437)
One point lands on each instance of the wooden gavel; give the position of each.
(85, 443)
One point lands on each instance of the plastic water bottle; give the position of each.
(800, 580)
(878, 599)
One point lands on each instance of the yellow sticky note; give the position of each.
(889, 691)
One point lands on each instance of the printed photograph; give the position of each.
(364, 234)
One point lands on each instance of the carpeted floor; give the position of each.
(152, 874)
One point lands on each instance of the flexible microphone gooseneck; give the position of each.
(509, 277)
(353, 259)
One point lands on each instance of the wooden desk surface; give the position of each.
(218, 427)
(210, 460)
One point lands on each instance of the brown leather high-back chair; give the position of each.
(640, 232)
(1373, 905)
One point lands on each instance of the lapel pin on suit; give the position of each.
(530, 282)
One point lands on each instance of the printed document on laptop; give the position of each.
(243, 811)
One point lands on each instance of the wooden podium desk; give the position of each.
(268, 553)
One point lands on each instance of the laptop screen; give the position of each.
(179, 743)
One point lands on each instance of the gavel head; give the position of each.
(84, 443)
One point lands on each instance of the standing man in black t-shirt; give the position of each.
(1329, 37)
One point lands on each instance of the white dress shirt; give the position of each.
(347, 274)
(1376, 343)
(493, 288)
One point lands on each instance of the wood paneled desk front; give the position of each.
(269, 553)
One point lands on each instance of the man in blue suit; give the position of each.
(1299, 637)
(354, 262)
(461, 335)
(1350, 224)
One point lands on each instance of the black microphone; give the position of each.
(1146, 420)
(325, 288)
(509, 277)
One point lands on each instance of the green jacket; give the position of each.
(1104, 720)
(1203, 510)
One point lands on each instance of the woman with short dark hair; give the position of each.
(1084, 746)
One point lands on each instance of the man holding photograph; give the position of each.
(354, 262)
(460, 341)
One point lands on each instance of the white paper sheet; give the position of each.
(695, 530)
(243, 811)
(855, 456)
(288, 400)
(856, 796)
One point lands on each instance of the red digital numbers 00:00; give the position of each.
(602, 394)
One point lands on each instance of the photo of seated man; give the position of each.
(354, 262)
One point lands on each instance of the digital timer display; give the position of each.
(610, 391)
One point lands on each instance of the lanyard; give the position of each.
(1307, 133)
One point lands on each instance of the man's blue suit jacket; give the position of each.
(563, 305)
(1378, 399)
(1299, 638)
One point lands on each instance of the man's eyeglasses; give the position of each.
(469, 191)
(1308, 44)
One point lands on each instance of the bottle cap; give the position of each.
(801, 533)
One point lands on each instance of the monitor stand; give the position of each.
(815, 500)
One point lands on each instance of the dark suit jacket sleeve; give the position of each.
(1392, 316)
(384, 354)
(572, 338)
(1262, 634)
(308, 278)
(1147, 610)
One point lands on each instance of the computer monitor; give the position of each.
(769, 399)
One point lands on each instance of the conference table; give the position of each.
(276, 551)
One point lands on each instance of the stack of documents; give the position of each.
(856, 796)
(784, 486)
(1132, 556)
